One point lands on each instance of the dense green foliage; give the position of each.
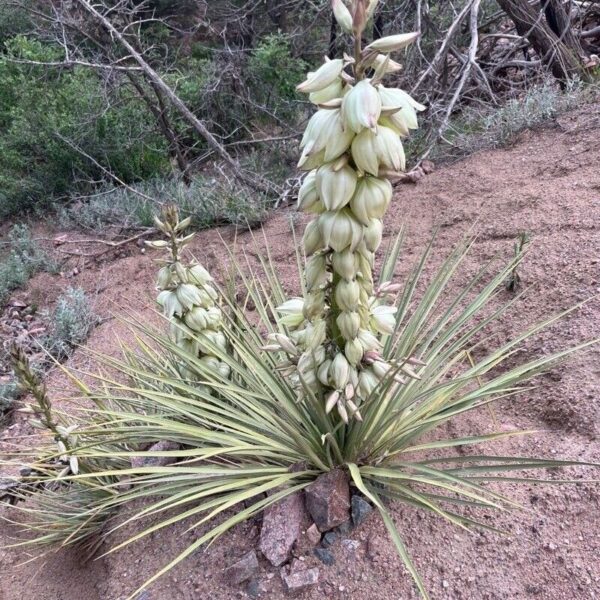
(40, 106)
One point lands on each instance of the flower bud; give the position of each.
(316, 333)
(368, 340)
(214, 317)
(325, 131)
(383, 319)
(170, 303)
(164, 278)
(392, 43)
(307, 196)
(340, 230)
(286, 344)
(314, 161)
(380, 369)
(371, 199)
(342, 15)
(188, 295)
(198, 275)
(367, 382)
(316, 271)
(323, 372)
(224, 370)
(388, 65)
(335, 188)
(349, 324)
(342, 412)
(292, 312)
(353, 351)
(332, 400)
(331, 92)
(312, 239)
(406, 117)
(314, 305)
(371, 151)
(339, 371)
(197, 319)
(361, 107)
(345, 263)
(347, 295)
(325, 75)
(373, 235)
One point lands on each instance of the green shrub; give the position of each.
(206, 201)
(109, 123)
(72, 321)
(24, 259)
(9, 393)
(273, 74)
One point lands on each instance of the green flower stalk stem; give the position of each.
(351, 147)
(187, 297)
(41, 410)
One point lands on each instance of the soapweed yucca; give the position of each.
(351, 375)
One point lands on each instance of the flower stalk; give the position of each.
(187, 296)
(351, 148)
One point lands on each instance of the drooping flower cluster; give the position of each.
(351, 146)
(187, 297)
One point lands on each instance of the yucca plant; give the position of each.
(356, 374)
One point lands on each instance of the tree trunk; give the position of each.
(560, 22)
(563, 62)
(332, 51)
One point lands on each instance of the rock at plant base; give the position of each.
(281, 527)
(253, 589)
(329, 539)
(325, 556)
(156, 461)
(328, 499)
(360, 509)
(298, 581)
(308, 539)
(344, 528)
(243, 569)
(313, 534)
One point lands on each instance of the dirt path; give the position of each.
(548, 185)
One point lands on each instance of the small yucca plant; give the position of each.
(342, 378)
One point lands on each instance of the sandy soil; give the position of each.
(548, 185)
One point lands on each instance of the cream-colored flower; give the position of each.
(324, 76)
(371, 199)
(391, 43)
(335, 188)
(340, 229)
(361, 107)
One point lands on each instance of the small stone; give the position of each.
(313, 534)
(281, 527)
(351, 545)
(329, 539)
(445, 584)
(156, 461)
(428, 167)
(325, 556)
(300, 580)
(253, 589)
(328, 499)
(243, 569)
(344, 528)
(360, 509)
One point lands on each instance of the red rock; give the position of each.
(243, 569)
(298, 581)
(156, 461)
(328, 500)
(281, 527)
